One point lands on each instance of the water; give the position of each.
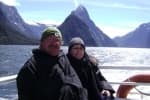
(12, 57)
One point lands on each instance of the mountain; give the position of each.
(78, 23)
(13, 30)
(139, 38)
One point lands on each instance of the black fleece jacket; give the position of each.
(86, 70)
(43, 77)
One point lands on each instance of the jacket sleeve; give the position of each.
(102, 82)
(25, 81)
(73, 83)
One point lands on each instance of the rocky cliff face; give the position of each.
(139, 38)
(13, 30)
(79, 24)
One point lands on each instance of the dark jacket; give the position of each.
(90, 77)
(44, 77)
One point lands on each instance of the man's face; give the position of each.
(51, 45)
(77, 51)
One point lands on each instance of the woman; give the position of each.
(87, 70)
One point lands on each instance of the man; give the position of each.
(88, 72)
(48, 75)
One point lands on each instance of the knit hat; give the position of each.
(51, 31)
(76, 41)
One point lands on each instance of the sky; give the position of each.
(113, 17)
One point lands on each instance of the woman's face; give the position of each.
(77, 51)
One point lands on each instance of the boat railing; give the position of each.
(6, 79)
(13, 78)
(125, 67)
(130, 83)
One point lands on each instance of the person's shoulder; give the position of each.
(93, 60)
(61, 53)
(28, 65)
(62, 57)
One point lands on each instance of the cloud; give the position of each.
(46, 21)
(119, 5)
(10, 2)
(76, 3)
(122, 5)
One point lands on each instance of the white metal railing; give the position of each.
(131, 83)
(141, 68)
(6, 79)
(145, 67)
(127, 68)
(13, 77)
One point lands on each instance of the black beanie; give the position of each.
(76, 41)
